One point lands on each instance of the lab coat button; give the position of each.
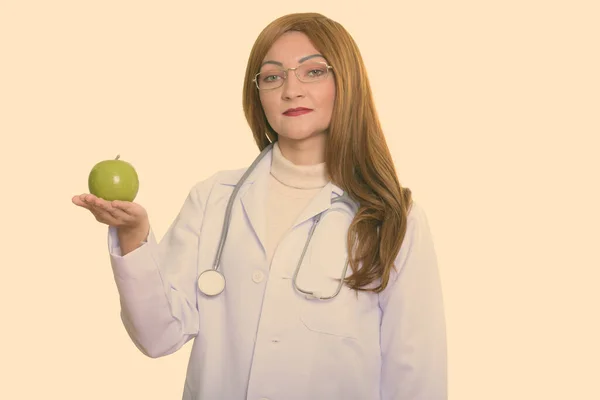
(258, 276)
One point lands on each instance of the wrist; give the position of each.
(135, 235)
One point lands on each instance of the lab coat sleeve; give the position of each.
(413, 327)
(156, 282)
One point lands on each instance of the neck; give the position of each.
(310, 151)
(292, 175)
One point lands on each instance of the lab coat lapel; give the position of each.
(319, 203)
(254, 199)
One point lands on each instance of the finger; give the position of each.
(118, 214)
(134, 210)
(125, 206)
(122, 217)
(89, 200)
(97, 206)
(88, 197)
(97, 202)
(101, 215)
(77, 200)
(111, 216)
(98, 209)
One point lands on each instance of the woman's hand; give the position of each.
(130, 219)
(125, 215)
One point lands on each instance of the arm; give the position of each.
(413, 328)
(157, 282)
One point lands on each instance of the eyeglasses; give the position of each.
(307, 73)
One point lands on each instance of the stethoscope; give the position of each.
(212, 282)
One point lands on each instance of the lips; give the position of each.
(296, 111)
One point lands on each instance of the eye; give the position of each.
(271, 76)
(316, 72)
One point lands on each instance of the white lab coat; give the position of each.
(261, 339)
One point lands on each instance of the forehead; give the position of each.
(291, 49)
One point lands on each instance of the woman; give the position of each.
(381, 335)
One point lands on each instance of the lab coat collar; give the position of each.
(253, 195)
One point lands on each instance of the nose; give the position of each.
(292, 87)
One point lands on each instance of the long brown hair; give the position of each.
(357, 157)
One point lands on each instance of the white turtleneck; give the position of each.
(291, 188)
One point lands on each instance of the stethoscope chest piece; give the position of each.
(211, 282)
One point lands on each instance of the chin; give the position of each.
(299, 135)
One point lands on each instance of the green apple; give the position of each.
(114, 180)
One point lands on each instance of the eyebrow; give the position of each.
(299, 61)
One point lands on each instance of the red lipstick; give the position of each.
(294, 112)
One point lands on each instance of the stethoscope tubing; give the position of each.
(213, 272)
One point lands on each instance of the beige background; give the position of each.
(491, 110)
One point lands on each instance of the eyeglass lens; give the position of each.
(271, 78)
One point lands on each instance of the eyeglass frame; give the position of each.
(285, 71)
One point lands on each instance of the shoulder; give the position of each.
(417, 245)
(417, 217)
(201, 189)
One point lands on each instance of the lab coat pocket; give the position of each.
(337, 317)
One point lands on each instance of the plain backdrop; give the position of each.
(491, 111)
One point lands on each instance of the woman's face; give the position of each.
(292, 50)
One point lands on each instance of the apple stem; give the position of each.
(118, 155)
